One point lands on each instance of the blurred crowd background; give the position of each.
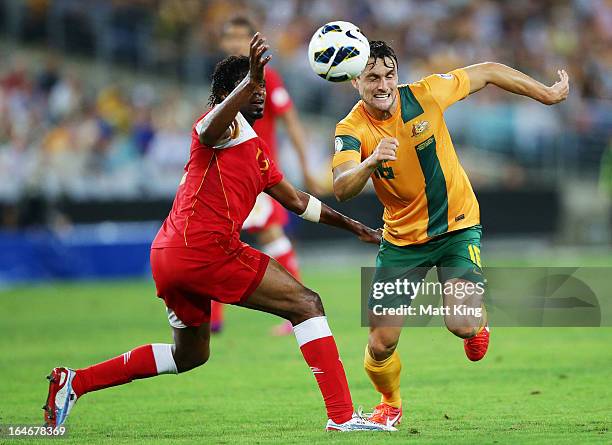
(97, 97)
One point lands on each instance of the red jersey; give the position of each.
(219, 187)
(277, 103)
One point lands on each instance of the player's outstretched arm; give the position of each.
(351, 177)
(223, 115)
(514, 81)
(311, 209)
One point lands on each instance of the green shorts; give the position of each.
(455, 255)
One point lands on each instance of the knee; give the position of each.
(309, 306)
(381, 347)
(188, 360)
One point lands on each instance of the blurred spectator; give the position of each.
(67, 130)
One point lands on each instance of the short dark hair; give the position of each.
(228, 73)
(381, 50)
(242, 21)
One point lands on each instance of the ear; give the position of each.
(354, 83)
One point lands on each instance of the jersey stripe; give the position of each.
(411, 107)
(349, 143)
(435, 187)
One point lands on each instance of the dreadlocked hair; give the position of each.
(380, 50)
(228, 73)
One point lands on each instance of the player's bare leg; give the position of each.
(383, 366)
(467, 317)
(191, 346)
(190, 350)
(281, 294)
(275, 243)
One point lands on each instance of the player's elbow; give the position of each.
(341, 197)
(206, 138)
(341, 193)
(338, 193)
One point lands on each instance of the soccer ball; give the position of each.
(338, 51)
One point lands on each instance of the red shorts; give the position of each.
(187, 279)
(266, 212)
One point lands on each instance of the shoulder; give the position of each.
(419, 87)
(439, 82)
(199, 122)
(239, 132)
(349, 134)
(414, 99)
(353, 121)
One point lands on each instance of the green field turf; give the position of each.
(535, 385)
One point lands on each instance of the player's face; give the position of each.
(377, 85)
(236, 40)
(255, 108)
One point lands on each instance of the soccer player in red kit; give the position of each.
(197, 255)
(268, 217)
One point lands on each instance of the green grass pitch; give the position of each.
(535, 385)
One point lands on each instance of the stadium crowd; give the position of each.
(67, 131)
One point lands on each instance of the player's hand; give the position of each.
(384, 151)
(370, 235)
(559, 91)
(257, 60)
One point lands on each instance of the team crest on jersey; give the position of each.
(338, 144)
(419, 127)
(445, 76)
(264, 163)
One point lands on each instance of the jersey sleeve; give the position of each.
(347, 145)
(273, 173)
(279, 99)
(446, 89)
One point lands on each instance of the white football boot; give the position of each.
(61, 397)
(357, 423)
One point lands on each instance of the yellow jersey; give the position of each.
(425, 191)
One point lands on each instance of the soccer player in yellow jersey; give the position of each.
(396, 135)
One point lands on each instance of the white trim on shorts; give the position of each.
(174, 321)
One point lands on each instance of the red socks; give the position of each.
(289, 262)
(216, 315)
(314, 338)
(320, 352)
(142, 362)
(282, 251)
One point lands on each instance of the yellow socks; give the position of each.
(485, 318)
(385, 376)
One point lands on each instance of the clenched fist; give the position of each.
(384, 151)
(559, 91)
